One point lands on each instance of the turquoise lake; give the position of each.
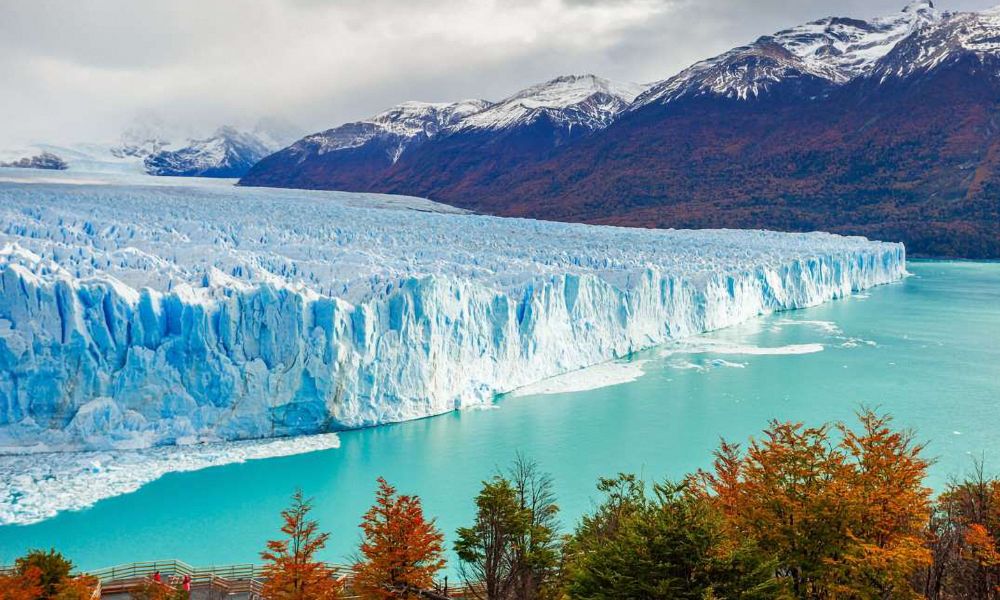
(926, 350)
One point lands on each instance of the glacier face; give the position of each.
(133, 316)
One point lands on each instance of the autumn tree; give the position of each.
(892, 509)
(788, 493)
(45, 575)
(80, 587)
(53, 569)
(21, 584)
(511, 550)
(155, 590)
(965, 541)
(845, 518)
(292, 571)
(401, 551)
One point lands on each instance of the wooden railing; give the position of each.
(246, 578)
(176, 568)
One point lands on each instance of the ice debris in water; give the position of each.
(36, 487)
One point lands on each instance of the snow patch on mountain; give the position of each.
(573, 100)
(229, 152)
(956, 35)
(393, 130)
(830, 51)
(569, 102)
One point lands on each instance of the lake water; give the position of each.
(926, 350)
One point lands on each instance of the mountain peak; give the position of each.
(952, 36)
(566, 90)
(585, 100)
(822, 53)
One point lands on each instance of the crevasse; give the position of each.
(132, 317)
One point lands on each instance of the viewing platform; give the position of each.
(219, 582)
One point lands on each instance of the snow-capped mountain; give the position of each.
(371, 152)
(885, 127)
(808, 58)
(570, 101)
(153, 147)
(146, 135)
(955, 36)
(229, 152)
(44, 160)
(393, 131)
(360, 151)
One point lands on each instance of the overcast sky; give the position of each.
(83, 70)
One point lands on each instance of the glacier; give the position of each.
(136, 315)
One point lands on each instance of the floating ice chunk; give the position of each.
(591, 378)
(712, 346)
(828, 327)
(36, 487)
(721, 362)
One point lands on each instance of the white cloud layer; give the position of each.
(74, 71)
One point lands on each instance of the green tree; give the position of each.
(673, 545)
(536, 552)
(485, 549)
(511, 550)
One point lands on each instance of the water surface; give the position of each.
(926, 350)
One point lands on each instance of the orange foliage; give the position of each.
(843, 518)
(981, 546)
(973, 509)
(401, 550)
(76, 588)
(892, 506)
(292, 572)
(26, 586)
(156, 590)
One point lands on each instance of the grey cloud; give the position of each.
(75, 71)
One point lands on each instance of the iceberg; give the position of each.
(136, 315)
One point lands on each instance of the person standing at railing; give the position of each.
(157, 578)
(187, 583)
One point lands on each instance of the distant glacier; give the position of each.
(141, 315)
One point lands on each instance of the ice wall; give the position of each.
(134, 316)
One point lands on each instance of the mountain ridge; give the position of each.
(888, 127)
